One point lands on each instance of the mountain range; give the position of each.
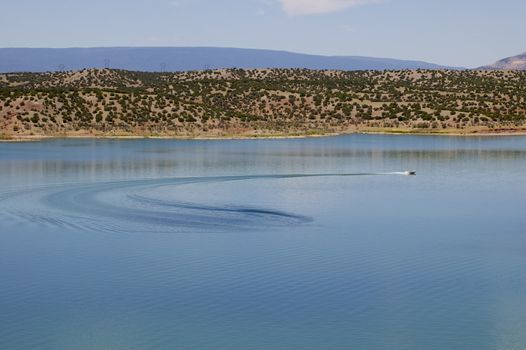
(173, 59)
(176, 59)
(511, 63)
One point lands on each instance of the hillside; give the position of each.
(511, 63)
(173, 59)
(260, 102)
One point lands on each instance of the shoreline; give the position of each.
(259, 104)
(408, 132)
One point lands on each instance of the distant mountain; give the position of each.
(511, 63)
(151, 59)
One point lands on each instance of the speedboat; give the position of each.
(410, 173)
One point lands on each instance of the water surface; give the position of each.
(264, 244)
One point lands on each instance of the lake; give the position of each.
(264, 244)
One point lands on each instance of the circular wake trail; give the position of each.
(142, 206)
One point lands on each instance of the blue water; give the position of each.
(264, 244)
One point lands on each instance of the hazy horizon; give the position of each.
(228, 47)
(466, 34)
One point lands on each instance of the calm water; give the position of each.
(157, 244)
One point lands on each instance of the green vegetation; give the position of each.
(261, 102)
(5, 136)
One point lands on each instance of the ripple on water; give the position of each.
(137, 206)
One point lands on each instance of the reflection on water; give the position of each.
(256, 244)
(95, 160)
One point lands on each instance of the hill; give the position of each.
(173, 59)
(261, 102)
(511, 63)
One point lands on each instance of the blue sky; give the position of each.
(451, 32)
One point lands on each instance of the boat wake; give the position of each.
(142, 206)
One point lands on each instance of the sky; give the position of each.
(467, 33)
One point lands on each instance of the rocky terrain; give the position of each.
(260, 103)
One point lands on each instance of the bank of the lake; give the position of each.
(260, 103)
